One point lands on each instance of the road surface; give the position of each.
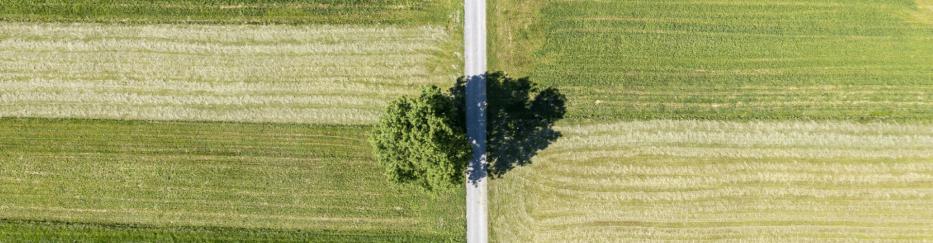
(474, 40)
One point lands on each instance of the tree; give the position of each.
(423, 140)
(420, 141)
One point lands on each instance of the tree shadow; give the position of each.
(519, 119)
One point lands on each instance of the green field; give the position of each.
(723, 120)
(70, 231)
(207, 120)
(863, 60)
(272, 180)
(214, 120)
(404, 12)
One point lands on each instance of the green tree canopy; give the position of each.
(419, 141)
(423, 140)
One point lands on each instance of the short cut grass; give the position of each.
(323, 74)
(129, 177)
(404, 12)
(708, 180)
(743, 60)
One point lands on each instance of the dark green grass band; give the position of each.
(37, 230)
(273, 181)
(229, 11)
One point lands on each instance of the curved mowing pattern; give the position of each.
(688, 180)
(134, 179)
(296, 74)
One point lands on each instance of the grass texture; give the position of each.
(723, 120)
(97, 179)
(821, 60)
(713, 180)
(289, 66)
(58, 231)
(406, 12)
(296, 74)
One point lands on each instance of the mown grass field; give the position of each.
(709, 180)
(688, 120)
(273, 180)
(295, 74)
(214, 120)
(71, 231)
(403, 12)
(723, 120)
(864, 60)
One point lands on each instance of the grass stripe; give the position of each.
(288, 180)
(290, 74)
(707, 180)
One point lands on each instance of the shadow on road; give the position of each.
(519, 120)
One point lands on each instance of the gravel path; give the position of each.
(475, 53)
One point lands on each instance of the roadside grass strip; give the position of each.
(706, 180)
(269, 73)
(119, 177)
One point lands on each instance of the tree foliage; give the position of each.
(419, 141)
(423, 140)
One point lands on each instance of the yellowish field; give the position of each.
(297, 74)
(692, 180)
(924, 11)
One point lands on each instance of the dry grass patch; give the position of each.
(924, 11)
(702, 180)
(303, 74)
